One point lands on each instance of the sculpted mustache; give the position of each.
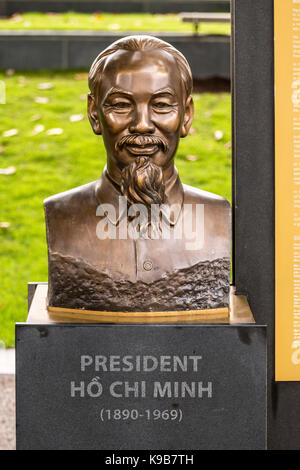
(141, 140)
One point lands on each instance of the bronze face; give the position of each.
(141, 110)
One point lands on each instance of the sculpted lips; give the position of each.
(142, 149)
(138, 144)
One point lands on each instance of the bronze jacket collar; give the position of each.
(108, 192)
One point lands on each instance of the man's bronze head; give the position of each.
(140, 102)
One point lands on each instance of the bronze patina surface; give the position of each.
(141, 104)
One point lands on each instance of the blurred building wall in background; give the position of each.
(9, 7)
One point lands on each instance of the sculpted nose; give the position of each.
(141, 122)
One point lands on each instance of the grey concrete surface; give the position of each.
(7, 361)
(7, 412)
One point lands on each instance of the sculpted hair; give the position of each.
(139, 43)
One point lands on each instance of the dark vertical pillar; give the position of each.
(3, 8)
(253, 196)
(253, 144)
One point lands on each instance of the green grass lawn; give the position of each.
(108, 22)
(47, 164)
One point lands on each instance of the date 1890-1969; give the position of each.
(135, 414)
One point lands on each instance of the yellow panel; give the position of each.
(287, 189)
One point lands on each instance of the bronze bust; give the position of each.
(137, 239)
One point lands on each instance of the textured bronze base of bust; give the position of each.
(78, 285)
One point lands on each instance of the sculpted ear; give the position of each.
(93, 115)
(188, 117)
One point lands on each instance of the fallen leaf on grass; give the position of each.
(76, 117)
(16, 18)
(35, 117)
(193, 131)
(2, 148)
(38, 129)
(22, 82)
(10, 133)
(114, 26)
(7, 171)
(191, 158)
(81, 76)
(45, 86)
(9, 72)
(4, 224)
(44, 146)
(219, 135)
(55, 131)
(228, 145)
(41, 99)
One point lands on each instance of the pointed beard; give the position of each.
(142, 183)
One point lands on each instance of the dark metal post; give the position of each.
(253, 196)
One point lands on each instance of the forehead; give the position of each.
(137, 71)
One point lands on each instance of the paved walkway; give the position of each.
(7, 412)
(7, 399)
(7, 361)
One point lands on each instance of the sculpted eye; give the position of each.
(121, 105)
(162, 104)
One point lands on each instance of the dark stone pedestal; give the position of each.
(169, 387)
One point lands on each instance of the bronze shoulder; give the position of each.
(67, 200)
(68, 212)
(194, 195)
